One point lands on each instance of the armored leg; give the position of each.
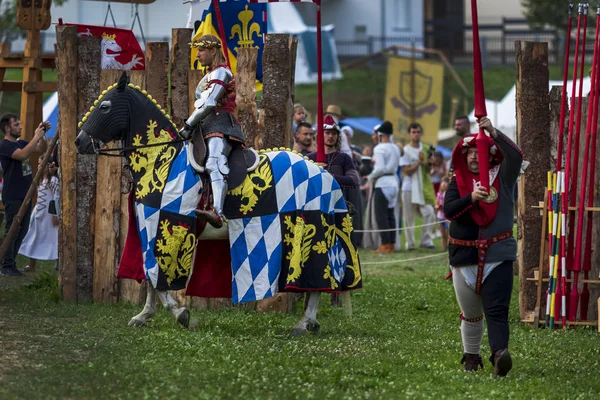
(218, 169)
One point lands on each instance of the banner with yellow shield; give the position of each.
(414, 94)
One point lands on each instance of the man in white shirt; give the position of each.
(414, 178)
(387, 158)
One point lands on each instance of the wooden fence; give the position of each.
(94, 190)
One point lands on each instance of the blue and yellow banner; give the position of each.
(244, 25)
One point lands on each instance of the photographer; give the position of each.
(14, 157)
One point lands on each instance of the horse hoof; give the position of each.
(184, 318)
(136, 322)
(298, 332)
(313, 327)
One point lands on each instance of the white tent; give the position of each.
(503, 113)
(285, 18)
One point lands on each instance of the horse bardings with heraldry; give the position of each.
(287, 222)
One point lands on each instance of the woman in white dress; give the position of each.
(41, 241)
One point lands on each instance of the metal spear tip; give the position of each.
(580, 8)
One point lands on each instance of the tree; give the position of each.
(9, 31)
(548, 13)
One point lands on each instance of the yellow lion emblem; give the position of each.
(175, 250)
(154, 160)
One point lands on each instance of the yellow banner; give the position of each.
(414, 94)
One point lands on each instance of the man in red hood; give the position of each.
(481, 245)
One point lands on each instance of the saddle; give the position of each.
(240, 161)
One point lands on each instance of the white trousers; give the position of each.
(409, 213)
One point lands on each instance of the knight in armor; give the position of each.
(212, 119)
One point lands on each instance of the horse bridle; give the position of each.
(97, 145)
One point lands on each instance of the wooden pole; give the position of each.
(245, 80)
(107, 217)
(276, 103)
(89, 67)
(129, 290)
(533, 122)
(180, 68)
(66, 63)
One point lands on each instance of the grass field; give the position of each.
(403, 341)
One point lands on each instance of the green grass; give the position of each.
(403, 341)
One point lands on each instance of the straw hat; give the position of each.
(334, 110)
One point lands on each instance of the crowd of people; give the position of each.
(396, 183)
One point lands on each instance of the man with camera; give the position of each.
(14, 157)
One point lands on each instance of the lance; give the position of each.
(551, 230)
(480, 109)
(587, 262)
(320, 133)
(563, 102)
(567, 174)
(576, 266)
(576, 136)
(554, 217)
(221, 31)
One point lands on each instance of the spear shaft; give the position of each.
(483, 150)
(577, 266)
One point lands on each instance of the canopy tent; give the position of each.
(285, 18)
(503, 113)
(363, 124)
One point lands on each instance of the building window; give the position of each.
(360, 32)
(402, 15)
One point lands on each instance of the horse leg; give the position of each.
(148, 311)
(309, 323)
(181, 313)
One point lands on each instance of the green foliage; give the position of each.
(548, 13)
(403, 341)
(9, 30)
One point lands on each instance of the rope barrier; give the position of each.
(397, 229)
(403, 261)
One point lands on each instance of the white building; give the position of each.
(368, 21)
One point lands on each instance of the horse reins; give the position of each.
(122, 150)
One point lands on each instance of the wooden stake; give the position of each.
(180, 67)
(66, 62)
(245, 81)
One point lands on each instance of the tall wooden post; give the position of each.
(277, 101)
(245, 80)
(66, 62)
(533, 123)
(180, 68)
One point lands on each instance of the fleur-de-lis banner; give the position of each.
(244, 26)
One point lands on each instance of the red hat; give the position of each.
(329, 123)
(483, 213)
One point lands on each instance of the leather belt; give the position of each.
(482, 245)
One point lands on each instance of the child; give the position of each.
(439, 207)
(41, 241)
(438, 170)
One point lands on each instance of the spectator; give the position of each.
(305, 139)
(438, 170)
(299, 116)
(14, 157)
(462, 126)
(41, 241)
(417, 191)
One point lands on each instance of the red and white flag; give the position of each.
(120, 48)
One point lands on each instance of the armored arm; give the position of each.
(208, 93)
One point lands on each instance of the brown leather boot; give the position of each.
(391, 248)
(502, 362)
(471, 362)
(211, 217)
(382, 249)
